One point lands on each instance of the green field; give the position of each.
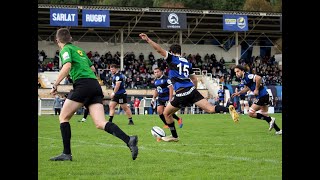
(211, 146)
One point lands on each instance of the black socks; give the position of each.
(85, 114)
(110, 118)
(175, 116)
(163, 119)
(116, 131)
(268, 119)
(263, 117)
(66, 137)
(220, 109)
(173, 130)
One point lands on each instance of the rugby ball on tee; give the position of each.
(157, 132)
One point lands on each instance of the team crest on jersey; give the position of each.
(117, 78)
(159, 89)
(169, 81)
(65, 55)
(80, 52)
(250, 76)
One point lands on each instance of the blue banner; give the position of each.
(95, 18)
(63, 17)
(235, 23)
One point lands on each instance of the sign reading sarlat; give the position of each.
(69, 17)
(63, 17)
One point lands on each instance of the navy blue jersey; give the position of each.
(248, 80)
(179, 71)
(240, 87)
(162, 85)
(118, 77)
(221, 94)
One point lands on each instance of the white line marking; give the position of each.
(235, 158)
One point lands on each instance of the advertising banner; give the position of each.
(173, 20)
(95, 18)
(235, 23)
(63, 17)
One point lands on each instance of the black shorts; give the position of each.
(262, 101)
(243, 98)
(87, 91)
(120, 98)
(186, 97)
(162, 103)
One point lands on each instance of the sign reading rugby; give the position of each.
(95, 18)
(63, 17)
(173, 20)
(235, 23)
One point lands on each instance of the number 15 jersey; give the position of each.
(180, 69)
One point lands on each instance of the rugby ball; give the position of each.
(157, 132)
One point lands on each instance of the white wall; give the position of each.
(255, 51)
(50, 49)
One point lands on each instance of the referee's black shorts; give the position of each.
(87, 91)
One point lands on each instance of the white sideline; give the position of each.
(235, 158)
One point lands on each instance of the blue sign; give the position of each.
(235, 23)
(63, 17)
(95, 18)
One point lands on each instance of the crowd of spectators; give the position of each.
(266, 67)
(139, 69)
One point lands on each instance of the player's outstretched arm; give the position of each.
(63, 73)
(155, 46)
(244, 90)
(258, 81)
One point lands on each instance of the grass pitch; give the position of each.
(211, 146)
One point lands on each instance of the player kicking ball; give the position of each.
(184, 84)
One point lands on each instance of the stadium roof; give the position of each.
(204, 26)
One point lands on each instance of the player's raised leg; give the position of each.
(207, 107)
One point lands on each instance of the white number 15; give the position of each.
(185, 69)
